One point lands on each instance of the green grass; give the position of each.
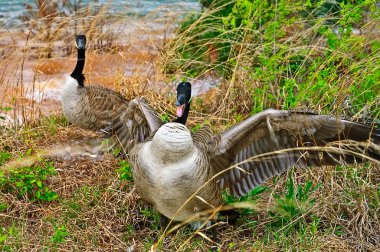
(5, 156)
(124, 171)
(30, 182)
(285, 55)
(292, 208)
(60, 234)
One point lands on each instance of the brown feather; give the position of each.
(96, 107)
(273, 131)
(135, 124)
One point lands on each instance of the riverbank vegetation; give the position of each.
(285, 54)
(322, 56)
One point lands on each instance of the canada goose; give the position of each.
(89, 107)
(175, 164)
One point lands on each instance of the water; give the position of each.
(11, 11)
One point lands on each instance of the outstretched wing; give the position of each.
(263, 146)
(135, 124)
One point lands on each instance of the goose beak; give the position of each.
(180, 110)
(80, 41)
(180, 103)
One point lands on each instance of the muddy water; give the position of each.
(30, 85)
(11, 11)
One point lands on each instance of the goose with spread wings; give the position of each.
(90, 107)
(181, 173)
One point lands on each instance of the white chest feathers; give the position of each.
(166, 172)
(172, 142)
(70, 96)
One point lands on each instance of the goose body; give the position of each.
(89, 107)
(169, 169)
(181, 173)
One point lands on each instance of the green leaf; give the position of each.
(3, 238)
(3, 207)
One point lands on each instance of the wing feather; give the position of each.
(265, 144)
(105, 104)
(135, 124)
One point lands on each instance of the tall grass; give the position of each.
(37, 55)
(285, 54)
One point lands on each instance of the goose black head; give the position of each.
(80, 41)
(77, 74)
(183, 101)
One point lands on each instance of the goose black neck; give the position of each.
(183, 118)
(78, 70)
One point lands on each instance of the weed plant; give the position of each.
(30, 182)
